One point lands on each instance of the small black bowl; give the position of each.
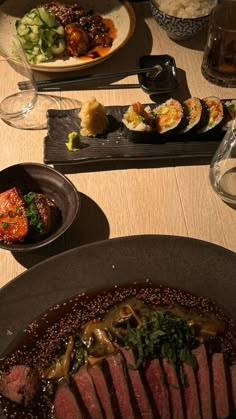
(166, 81)
(41, 178)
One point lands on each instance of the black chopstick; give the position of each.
(65, 82)
(104, 87)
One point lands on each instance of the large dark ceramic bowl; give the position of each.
(178, 28)
(40, 178)
(193, 266)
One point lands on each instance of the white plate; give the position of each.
(120, 11)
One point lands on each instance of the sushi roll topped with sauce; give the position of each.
(197, 114)
(138, 118)
(170, 117)
(215, 113)
(139, 123)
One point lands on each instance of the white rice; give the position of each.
(186, 8)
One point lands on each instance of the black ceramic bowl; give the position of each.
(40, 178)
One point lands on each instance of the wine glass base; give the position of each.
(37, 117)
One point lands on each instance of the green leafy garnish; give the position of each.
(163, 335)
(29, 197)
(4, 224)
(32, 212)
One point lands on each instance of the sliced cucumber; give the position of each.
(60, 31)
(31, 20)
(22, 29)
(60, 48)
(47, 17)
(41, 35)
(33, 37)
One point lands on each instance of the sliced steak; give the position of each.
(190, 391)
(137, 385)
(203, 381)
(87, 393)
(20, 385)
(158, 388)
(65, 404)
(172, 381)
(233, 385)
(102, 389)
(220, 386)
(118, 374)
(13, 222)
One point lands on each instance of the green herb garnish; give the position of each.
(29, 197)
(163, 335)
(32, 212)
(4, 224)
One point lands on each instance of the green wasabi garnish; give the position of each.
(74, 143)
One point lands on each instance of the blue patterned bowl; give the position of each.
(178, 28)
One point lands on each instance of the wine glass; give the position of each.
(25, 109)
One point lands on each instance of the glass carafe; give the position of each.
(223, 167)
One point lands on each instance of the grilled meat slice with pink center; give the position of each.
(87, 392)
(156, 383)
(172, 381)
(137, 385)
(21, 384)
(190, 392)
(203, 381)
(233, 384)
(102, 389)
(220, 386)
(65, 404)
(118, 374)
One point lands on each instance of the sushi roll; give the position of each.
(197, 114)
(230, 106)
(138, 123)
(215, 113)
(170, 117)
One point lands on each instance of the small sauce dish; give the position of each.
(164, 80)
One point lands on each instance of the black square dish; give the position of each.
(166, 81)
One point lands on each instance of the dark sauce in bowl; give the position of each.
(43, 339)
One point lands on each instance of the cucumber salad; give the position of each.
(41, 35)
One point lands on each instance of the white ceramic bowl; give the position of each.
(119, 11)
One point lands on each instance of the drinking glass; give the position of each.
(219, 59)
(25, 109)
(223, 167)
(15, 104)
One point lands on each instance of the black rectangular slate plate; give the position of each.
(116, 146)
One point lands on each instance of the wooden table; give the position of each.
(169, 197)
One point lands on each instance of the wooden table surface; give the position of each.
(170, 197)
